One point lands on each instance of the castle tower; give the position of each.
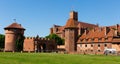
(12, 33)
(74, 15)
(71, 33)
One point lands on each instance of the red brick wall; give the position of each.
(28, 44)
(70, 39)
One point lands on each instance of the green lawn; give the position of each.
(53, 58)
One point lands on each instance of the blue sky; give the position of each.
(37, 16)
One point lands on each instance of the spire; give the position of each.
(14, 20)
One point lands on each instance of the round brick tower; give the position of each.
(12, 33)
(71, 33)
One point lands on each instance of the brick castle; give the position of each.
(80, 37)
(31, 44)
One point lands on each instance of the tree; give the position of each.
(58, 40)
(2, 40)
(19, 42)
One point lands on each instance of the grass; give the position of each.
(53, 58)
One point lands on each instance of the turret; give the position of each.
(12, 33)
(74, 15)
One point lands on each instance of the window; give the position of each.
(105, 45)
(81, 40)
(80, 45)
(91, 50)
(98, 45)
(99, 39)
(92, 39)
(106, 39)
(91, 45)
(56, 29)
(87, 39)
(98, 50)
(117, 44)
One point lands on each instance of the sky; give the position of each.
(38, 16)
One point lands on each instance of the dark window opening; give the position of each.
(98, 45)
(91, 50)
(91, 45)
(99, 39)
(106, 39)
(56, 29)
(105, 45)
(92, 40)
(98, 50)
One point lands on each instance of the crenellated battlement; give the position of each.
(35, 43)
(39, 38)
(29, 37)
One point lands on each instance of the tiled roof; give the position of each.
(98, 32)
(14, 25)
(83, 25)
(101, 32)
(71, 23)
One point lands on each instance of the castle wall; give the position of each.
(28, 44)
(39, 44)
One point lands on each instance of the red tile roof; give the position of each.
(71, 23)
(14, 25)
(84, 25)
(97, 33)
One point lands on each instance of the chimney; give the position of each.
(74, 15)
(116, 30)
(86, 31)
(106, 30)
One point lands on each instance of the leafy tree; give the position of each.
(2, 40)
(58, 40)
(19, 42)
